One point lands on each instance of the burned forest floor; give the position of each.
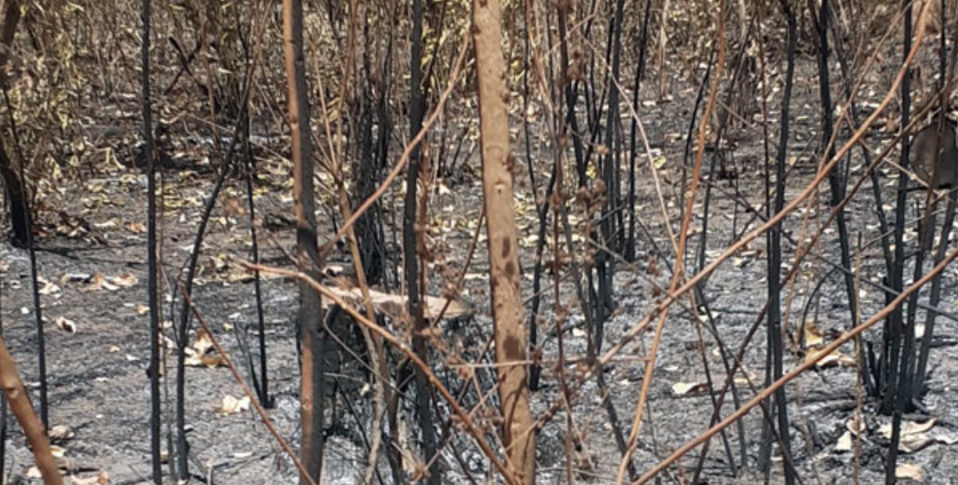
(92, 266)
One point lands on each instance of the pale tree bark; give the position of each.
(497, 172)
(310, 308)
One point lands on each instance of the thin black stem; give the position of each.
(934, 298)
(891, 341)
(410, 236)
(32, 251)
(776, 345)
(835, 179)
(897, 364)
(639, 73)
(183, 326)
(262, 389)
(151, 245)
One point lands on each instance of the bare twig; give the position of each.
(23, 410)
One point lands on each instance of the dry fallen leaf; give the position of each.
(65, 465)
(110, 224)
(239, 275)
(844, 442)
(102, 478)
(61, 433)
(909, 427)
(201, 352)
(231, 405)
(914, 435)
(203, 342)
(123, 281)
(98, 282)
(65, 324)
(946, 438)
(835, 358)
(687, 388)
(136, 227)
(813, 336)
(204, 361)
(910, 471)
(48, 287)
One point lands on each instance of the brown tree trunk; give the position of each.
(23, 410)
(497, 165)
(309, 317)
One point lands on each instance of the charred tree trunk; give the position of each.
(410, 238)
(151, 250)
(19, 219)
(776, 347)
(581, 160)
(15, 188)
(836, 180)
(611, 231)
(891, 337)
(639, 73)
(310, 313)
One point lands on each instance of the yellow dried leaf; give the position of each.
(813, 336)
(125, 280)
(136, 227)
